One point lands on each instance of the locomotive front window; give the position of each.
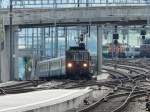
(86, 56)
(81, 56)
(78, 56)
(70, 56)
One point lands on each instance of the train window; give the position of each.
(78, 56)
(81, 56)
(137, 49)
(127, 49)
(86, 56)
(70, 56)
(147, 41)
(144, 46)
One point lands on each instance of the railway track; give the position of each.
(28, 86)
(119, 100)
(113, 103)
(20, 87)
(128, 86)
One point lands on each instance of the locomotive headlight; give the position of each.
(84, 64)
(69, 65)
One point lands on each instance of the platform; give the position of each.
(43, 101)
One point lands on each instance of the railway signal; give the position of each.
(116, 42)
(115, 36)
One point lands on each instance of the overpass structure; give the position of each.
(68, 3)
(44, 26)
(126, 15)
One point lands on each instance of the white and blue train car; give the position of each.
(132, 52)
(51, 68)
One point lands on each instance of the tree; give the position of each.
(28, 67)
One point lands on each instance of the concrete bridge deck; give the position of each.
(86, 15)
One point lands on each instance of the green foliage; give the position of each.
(28, 67)
(28, 63)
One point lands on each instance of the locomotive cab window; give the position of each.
(78, 56)
(70, 56)
(81, 56)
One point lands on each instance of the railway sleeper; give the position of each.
(2, 91)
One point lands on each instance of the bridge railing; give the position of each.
(70, 3)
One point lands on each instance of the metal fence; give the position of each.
(69, 3)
